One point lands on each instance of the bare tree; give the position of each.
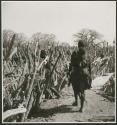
(88, 35)
(21, 38)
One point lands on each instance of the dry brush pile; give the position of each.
(30, 75)
(108, 89)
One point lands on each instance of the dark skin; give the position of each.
(77, 93)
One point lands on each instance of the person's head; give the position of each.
(81, 44)
(81, 47)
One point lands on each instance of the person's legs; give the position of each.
(75, 96)
(75, 88)
(82, 99)
(76, 99)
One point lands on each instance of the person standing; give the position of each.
(80, 73)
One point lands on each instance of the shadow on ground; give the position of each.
(102, 118)
(49, 112)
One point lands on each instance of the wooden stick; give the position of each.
(29, 105)
(10, 47)
(31, 87)
(11, 112)
(61, 83)
(53, 70)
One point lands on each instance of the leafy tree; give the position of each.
(43, 39)
(7, 36)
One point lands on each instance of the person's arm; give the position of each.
(71, 63)
(89, 65)
(68, 75)
(70, 69)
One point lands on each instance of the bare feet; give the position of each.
(74, 104)
(80, 110)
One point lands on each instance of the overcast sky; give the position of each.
(62, 18)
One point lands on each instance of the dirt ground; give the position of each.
(96, 109)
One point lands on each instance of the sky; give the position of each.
(62, 18)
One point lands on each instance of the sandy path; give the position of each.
(96, 109)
